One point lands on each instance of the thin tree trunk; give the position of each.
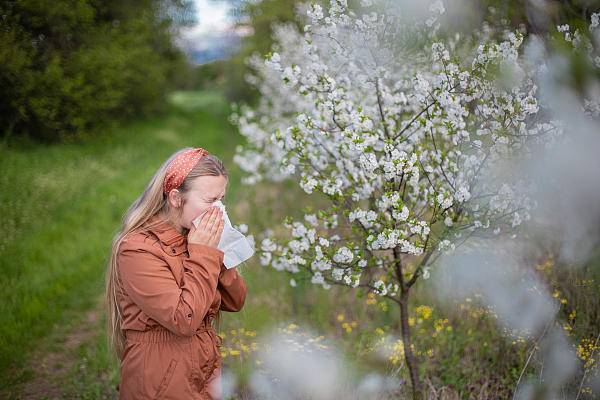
(409, 357)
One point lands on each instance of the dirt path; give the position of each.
(51, 369)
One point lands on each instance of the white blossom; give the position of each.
(311, 219)
(268, 245)
(315, 12)
(243, 228)
(317, 278)
(595, 21)
(426, 273)
(390, 137)
(337, 274)
(380, 287)
(343, 256)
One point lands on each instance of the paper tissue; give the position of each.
(233, 243)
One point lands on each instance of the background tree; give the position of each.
(257, 19)
(402, 129)
(68, 67)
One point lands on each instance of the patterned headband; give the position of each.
(180, 167)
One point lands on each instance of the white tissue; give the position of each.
(235, 246)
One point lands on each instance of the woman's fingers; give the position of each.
(215, 236)
(210, 227)
(202, 222)
(216, 217)
(205, 220)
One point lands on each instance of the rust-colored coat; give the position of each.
(171, 292)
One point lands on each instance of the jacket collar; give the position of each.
(165, 232)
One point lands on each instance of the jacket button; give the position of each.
(189, 315)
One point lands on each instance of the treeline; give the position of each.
(68, 67)
(257, 17)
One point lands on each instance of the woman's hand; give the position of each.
(209, 228)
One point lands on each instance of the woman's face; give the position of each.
(204, 191)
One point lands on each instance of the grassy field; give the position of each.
(61, 206)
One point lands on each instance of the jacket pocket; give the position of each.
(207, 365)
(164, 383)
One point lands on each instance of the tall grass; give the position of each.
(61, 206)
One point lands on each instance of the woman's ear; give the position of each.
(175, 198)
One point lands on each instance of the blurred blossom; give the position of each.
(559, 359)
(294, 363)
(563, 173)
(567, 171)
(228, 383)
(595, 382)
(294, 366)
(376, 386)
(559, 366)
(495, 274)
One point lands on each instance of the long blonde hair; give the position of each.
(151, 202)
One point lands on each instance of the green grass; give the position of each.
(62, 204)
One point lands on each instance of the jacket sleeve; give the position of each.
(148, 280)
(233, 290)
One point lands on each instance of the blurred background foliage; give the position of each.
(67, 67)
(259, 18)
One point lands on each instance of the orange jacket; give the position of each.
(171, 292)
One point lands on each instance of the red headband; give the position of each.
(181, 166)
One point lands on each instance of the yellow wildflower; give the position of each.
(371, 298)
(424, 311)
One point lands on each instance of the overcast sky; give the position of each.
(213, 18)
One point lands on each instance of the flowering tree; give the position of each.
(400, 127)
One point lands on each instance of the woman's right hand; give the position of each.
(209, 228)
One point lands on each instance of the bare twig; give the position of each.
(532, 351)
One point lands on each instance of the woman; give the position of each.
(166, 283)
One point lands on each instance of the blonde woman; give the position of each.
(166, 283)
